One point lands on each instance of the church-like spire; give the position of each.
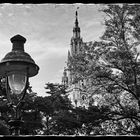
(65, 78)
(76, 40)
(76, 20)
(76, 29)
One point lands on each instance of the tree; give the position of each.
(31, 115)
(120, 46)
(61, 120)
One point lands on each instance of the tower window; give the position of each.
(83, 97)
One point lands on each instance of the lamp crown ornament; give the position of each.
(18, 59)
(18, 42)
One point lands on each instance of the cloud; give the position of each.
(43, 50)
(10, 14)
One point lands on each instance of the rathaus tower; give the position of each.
(75, 89)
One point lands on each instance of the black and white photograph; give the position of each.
(69, 69)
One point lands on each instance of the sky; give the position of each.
(48, 30)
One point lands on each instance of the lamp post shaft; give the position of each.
(16, 131)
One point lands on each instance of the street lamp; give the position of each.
(16, 68)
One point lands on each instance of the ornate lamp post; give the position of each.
(16, 67)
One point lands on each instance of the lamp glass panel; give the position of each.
(17, 82)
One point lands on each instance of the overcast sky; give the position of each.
(48, 30)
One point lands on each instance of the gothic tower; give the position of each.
(76, 47)
(76, 40)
